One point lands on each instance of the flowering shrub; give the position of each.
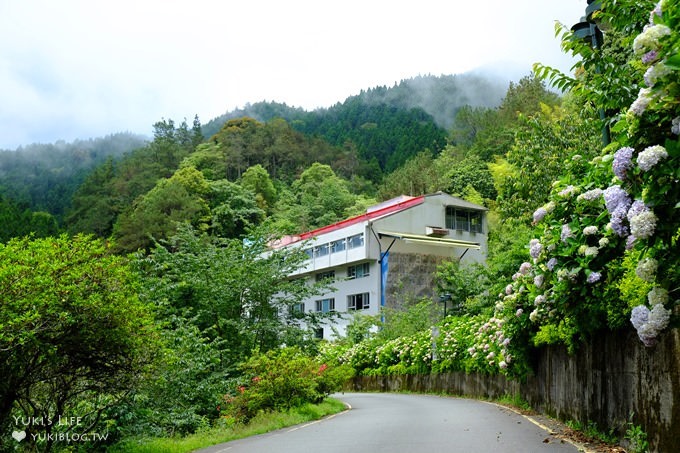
(624, 207)
(469, 344)
(282, 379)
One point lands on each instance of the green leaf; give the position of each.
(673, 61)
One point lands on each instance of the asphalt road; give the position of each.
(405, 423)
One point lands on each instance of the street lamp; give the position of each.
(589, 30)
(445, 298)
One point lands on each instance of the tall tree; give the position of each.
(233, 290)
(71, 329)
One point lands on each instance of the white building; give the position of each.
(389, 253)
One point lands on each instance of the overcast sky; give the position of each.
(83, 68)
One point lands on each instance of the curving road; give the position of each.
(405, 423)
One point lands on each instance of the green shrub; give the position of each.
(282, 379)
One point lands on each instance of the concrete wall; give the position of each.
(604, 382)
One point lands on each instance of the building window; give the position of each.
(358, 302)
(321, 250)
(338, 246)
(355, 241)
(297, 308)
(309, 253)
(328, 276)
(318, 333)
(463, 219)
(358, 271)
(325, 305)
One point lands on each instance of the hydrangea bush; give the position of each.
(624, 207)
(468, 344)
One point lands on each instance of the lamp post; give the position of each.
(445, 298)
(589, 31)
(435, 335)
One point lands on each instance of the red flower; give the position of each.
(257, 379)
(322, 368)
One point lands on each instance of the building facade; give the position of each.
(389, 254)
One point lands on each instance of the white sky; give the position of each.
(86, 68)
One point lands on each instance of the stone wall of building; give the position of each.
(410, 277)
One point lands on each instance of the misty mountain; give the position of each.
(387, 126)
(45, 176)
(439, 96)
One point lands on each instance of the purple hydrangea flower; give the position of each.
(615, 196)
(622, 162)
(649, 323)
(538, 280)
(539, 214)
(650, 57)
(524, 268)
(594, 277)
(568, 191)
(590, 195)
(566, 233)
(535, 248)
(639, 316)
(617, 221)
(675, 126)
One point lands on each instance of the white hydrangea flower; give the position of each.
(657, 295)
(590, 230)
(649, 38)
(643, 225)
(646, 269)
(640, 104)
(591, 251)
(656, 72)
(651, 156)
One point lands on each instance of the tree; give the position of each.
(94, 207)
(459, 174)
(418, 176)
(233, 209)
(71, 329)
(544, 145)
(257, 180)
(157, 214)
(237, 292)
(322, 195)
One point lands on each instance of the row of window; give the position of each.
(353, 272)
(355, 302)
(463, 219)
(340, 245)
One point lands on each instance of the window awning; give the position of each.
(422, 239)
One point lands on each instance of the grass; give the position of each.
(514, 401)
(262, 423)
(591, 431)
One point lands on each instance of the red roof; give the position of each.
(392, 206)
